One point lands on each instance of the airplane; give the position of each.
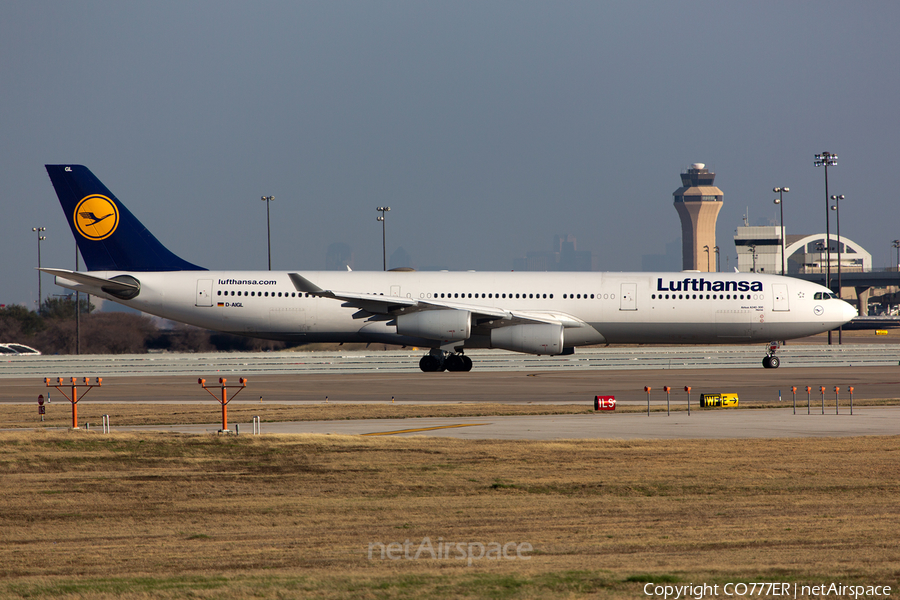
(541, 313)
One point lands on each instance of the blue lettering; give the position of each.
(703, 285)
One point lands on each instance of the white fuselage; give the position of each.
(595, 308)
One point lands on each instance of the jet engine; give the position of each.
(531, 339)
(436, 324)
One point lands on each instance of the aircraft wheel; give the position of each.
(774, 362)
(429, 364)
(455, 362)
(467, 363)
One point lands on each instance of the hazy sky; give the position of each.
(488, 127)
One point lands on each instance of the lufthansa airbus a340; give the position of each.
(448, 312)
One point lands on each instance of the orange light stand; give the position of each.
(74, 397)
(224, 399)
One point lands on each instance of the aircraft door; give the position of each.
(628, 297)
(780, 295)
(395, 290)
(204, 292)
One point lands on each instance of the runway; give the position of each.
(249, 364)
(382, 377)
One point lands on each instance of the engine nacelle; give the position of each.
(452, 325)
(532, 339)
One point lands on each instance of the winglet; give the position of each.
(302, 284)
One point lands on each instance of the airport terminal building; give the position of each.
(759, 250)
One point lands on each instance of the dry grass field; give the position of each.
(84, 515)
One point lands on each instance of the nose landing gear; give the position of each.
(771, 361)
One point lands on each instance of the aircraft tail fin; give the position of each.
(109, 237)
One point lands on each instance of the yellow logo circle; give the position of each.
(96, 217)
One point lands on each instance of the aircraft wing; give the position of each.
(374, 305)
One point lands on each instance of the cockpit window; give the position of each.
(825, 296)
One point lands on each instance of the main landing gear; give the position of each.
(771, 361)
(438, 360)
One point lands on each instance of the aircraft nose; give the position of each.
(848, 312)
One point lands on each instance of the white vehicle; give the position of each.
(448, 312)
(8, 349)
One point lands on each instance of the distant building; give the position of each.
(698, 202)
(670, 261)
(759, 250)
(400, 259)
(564, 256)
(338, 257)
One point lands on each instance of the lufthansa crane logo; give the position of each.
(96, 217)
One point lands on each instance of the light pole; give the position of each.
(837, 209)
(753, 251)
(780, 202)
(716, 249)
(382, 210)
(896, 244)
(706, 249)
(268, 199)
(40, 238)
(827, 159)
(78, 310)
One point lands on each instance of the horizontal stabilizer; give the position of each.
(125, 287)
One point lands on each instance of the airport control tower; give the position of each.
(698, 202)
